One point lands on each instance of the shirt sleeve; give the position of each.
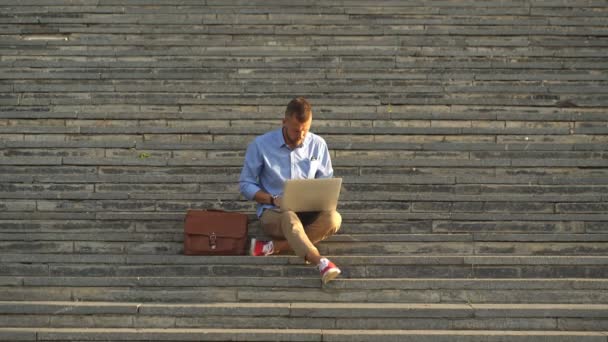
(325, 169)
(248, 182)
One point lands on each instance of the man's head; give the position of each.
(298, 117)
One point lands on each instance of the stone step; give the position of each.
(576, 53)
(356, 74)
(375, 206)
(155, 259)
(542, 284)
(330, 335)
(64, 147)
(354, 227)
(442, 221)
(404, 176)
(299, 20)
(382, 22)
(349, 201)
(347, 245)
(407, 70)
(564, 147)
(353, 114)
(459, 188)
(422, 174)
(271, 80)
(432, 202)
(340, 237)
(379, 160)
(259, 129)
(414, 152)
(409, 159)
(455, 20)
(204, 295)
(78, 265)
(563, 317)
(201, 289)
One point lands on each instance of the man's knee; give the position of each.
(336, 220)
(333, 220)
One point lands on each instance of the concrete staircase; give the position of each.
(471, 136)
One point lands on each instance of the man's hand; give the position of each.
(278, 202)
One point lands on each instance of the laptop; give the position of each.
(316, 194)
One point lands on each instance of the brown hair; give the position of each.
(299, 108)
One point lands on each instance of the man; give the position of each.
(291, 152)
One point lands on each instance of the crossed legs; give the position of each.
(289, 233)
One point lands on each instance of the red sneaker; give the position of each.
(260, 248)
(329, 271)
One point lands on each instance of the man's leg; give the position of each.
(323, 225)
(287, 233)
(326, 224)
(296, 237)
(271, 224)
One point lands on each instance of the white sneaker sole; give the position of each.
(252, 246)
(330, 275)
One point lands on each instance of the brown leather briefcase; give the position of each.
(215, 232)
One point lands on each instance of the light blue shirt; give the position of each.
(269, 162)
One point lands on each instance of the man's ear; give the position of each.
(284, 121)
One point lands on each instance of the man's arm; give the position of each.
(325, 169)
(248, 182)
(265, 198)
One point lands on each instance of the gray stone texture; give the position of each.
(471, 135)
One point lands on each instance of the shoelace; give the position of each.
(323, 263)
(268, 248)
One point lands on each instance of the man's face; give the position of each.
(295, 131)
